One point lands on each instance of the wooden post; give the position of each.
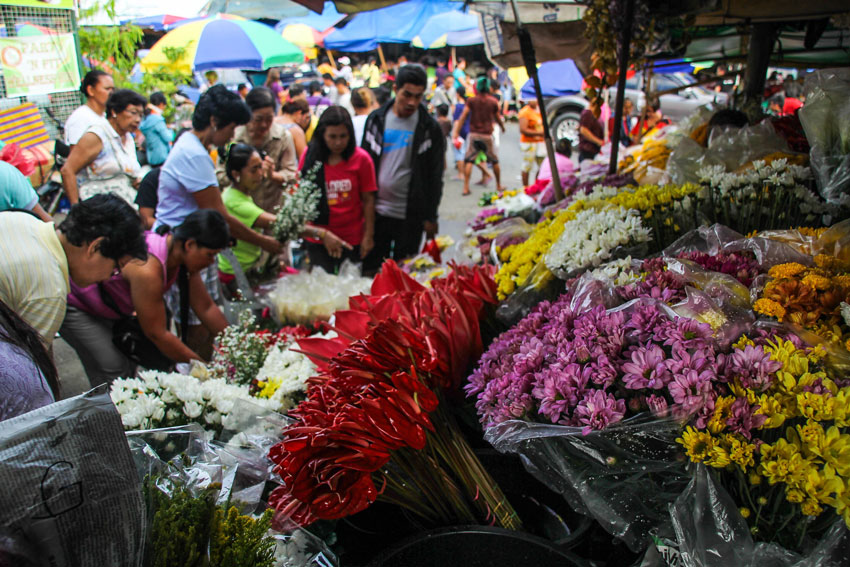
(623, 68)
(758, 59)
(383, 61)
(331, 58)
(529, 58)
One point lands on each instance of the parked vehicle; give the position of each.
(564, 112)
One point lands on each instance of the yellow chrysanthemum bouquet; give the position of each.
(776, 432)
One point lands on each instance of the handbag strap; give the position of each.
(109, 301)
(183, 283)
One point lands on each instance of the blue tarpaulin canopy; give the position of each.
(319, 22)
(399, 23)
(450, 28)
(557, 78)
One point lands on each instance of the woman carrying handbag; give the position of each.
(98, 323)
(104, 160)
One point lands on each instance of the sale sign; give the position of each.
(40, 64)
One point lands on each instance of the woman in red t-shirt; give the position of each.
(347, 179)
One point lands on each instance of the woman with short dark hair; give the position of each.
(139, 287)
(187, 182)
(158, 136)
(279, 162)
(104, 159)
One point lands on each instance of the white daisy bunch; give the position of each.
(160, 399)
(284, 375)
(620, 272)
(591, 238)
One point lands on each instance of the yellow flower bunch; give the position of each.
(519, 260)
(782, 436)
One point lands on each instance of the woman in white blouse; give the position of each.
(104, 159)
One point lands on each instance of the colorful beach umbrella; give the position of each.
(221, 42)
(302, 35)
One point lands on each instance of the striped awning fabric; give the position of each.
(23, 125)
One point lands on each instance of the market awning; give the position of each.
(399, 23)
(557, 78)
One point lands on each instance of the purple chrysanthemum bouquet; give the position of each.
(592, 369)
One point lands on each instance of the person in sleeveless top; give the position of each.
(104, 159)
(139, 288)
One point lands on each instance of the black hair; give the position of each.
(411, 74)
(17, 332)
(294, 106)
(259, 98)
(236, 158)
(111, 217)
(382, 95)
(295, 90)
(207, 227)
(728, 117)
(158, 98)
(778, 98)
(91, 79)
(461, 90)
(442, 110)
(121, 99)
(227, 107)
(315, 87)
(340, 81)
(564, 147)
(318, 150)
(327, 76)
(241, 86)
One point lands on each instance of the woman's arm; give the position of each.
(210, 198)
(148, 217)
(299, 138)
(265, 220)
(584, 131)
(460, 122)
(203, 305)
(147, 294)
(82, 154)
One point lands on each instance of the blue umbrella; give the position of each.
(557, 78)
(320, 22)
(449, 28)
(398, 23)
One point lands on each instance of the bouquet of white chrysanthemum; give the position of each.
(283, 377)
(299, 208)
(593, 237)
(156, 399)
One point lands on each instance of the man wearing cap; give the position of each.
(483, 112)
(345, 70)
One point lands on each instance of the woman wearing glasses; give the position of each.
(104, 159)
(261, 132)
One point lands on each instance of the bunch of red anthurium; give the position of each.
(374, 425)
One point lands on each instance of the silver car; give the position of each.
(675, 106)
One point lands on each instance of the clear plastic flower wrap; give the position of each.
(306, 297)
(707, 530)
(826, 121)
(734, 147)
(624, 477)
(540, 286)
(707, 239)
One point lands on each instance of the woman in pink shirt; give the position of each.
(139, 288)
(347, 179)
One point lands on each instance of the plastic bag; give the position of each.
(71, 495)
(300, 548)
(541, 285)
(707, 239)
(769, 252)
(686, 159)
(734, 147)
(303, 298)
(624, 477)
(826, 121)
(710, 532)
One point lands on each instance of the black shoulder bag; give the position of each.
(129, 338)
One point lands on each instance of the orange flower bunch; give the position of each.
(809, 296)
